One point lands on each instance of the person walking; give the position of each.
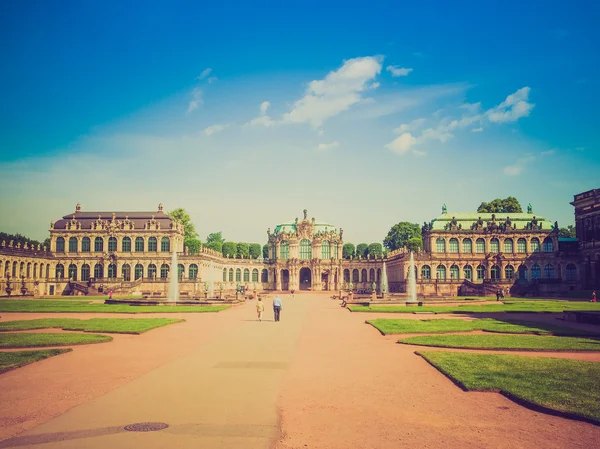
(593, 296)
(260, 307)
(293, 293)
(277, 305)
(110, 295)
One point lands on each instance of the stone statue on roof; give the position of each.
(529, 209)
(305, 213)
(444, 209)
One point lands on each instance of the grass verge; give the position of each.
(31, 340)
(108, 325)
(509, 306)
(17, 359)
(509, 342)
(43, 306)
(569, 387)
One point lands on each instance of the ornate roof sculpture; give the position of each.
(305, 229)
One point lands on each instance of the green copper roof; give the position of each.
(319, 227)
(466, 219)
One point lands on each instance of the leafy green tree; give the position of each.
(230, 249)
(375, 249)
(414, 244)
(348, 251)
(265, 251)
(400, 234)
(216, 246)
(189, 230)
(506, 205)
(254, 250)
(22, 240)
(193, 245)
(215, 237)
(568, 232)
(243, 250)
(362, 250)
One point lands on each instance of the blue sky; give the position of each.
(247, 113)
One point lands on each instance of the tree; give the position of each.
(22, 240)
(230, 249)
(348, 251)
(215, 246)
(414, 244)
(375, 249)
(243, 250)
(401, 233)
(362, 250)
(507, 205)
(265, 251)
(215, 237)
(254, 250)
(189, 231)
(568, 232)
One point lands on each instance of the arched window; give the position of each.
(126, 272)
(126, 245)
(22, 270)
(426, 272)
(363, 275)
(60, 245)
(139, 271)
(98, 244)
(73, 271)
(98, 271)
(441, 272)
(480, 246)
(246, 275)
(521, 246)
(85, 272)
(86, 245)
(468, 272)
(355, 277)
(372, 275)
(509, 272)
(284, 250)
(508, 246)
(180, 271)
(467, 246)
(165, 245)
(480, 272)
(164, 271)
(264, 275)
(152, 244)
(440, 245)
(152, 271)
(28, 270)
(193, 272)
(14, 269)
(73, 245)
(522, 272)
(224, 274)
(255, 275)
(35, 270)
(548, 246)
(60, 271)
(495, 272)
(112, 244)
(549, 271)
(335, 251)
(305, 249)
(454, 272)
(494, 245)
(139, 244)
(325, 250)
(535, 245)
(536, 272)
(238, 275)
(346, 275)
(571, 272)
(453, 245)
(112, 271)
(231, 275)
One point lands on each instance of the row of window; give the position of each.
(508, 245)
(363, 275)
(244, 276)
(21, 269)
(306, 250)
(165, 244)
(125, 271)
(509, 272)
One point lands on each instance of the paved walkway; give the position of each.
(320, 378)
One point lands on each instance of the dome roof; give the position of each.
(319, 227)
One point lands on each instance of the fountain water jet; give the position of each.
(384, 281)
(174, 283)
(411, 281)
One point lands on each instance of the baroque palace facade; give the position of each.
(463, 254)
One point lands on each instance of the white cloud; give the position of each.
(419, 153)
(398, 71)
(472, 108)
(334, 94)
(402, 144)
(477, 130)
(196, 100)
(518, 167)
(415, 124)
(263, 120)
(328, 146)
(264, 106)
(214, 129)
(212, 79)
(513, 108)
(548, 152)
(204, 74)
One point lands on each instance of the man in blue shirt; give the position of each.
(277, 304)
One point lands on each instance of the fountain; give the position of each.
(211, 285)
(384, 281)
(411, 282)
(174, 283)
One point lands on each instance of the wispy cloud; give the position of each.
(264, 106)
(215, 129)
(477, 130)
(263, 119)
(398, 71)
(518, 167)
(204, 74)
(513, 108)
(196, 100)
(328, 146)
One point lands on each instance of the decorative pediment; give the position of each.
(152, 224)
(73, 224)
(98, 224)
(127, 224)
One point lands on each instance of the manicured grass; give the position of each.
(514, 342)
(12, 360)
(392, 326)
(508, 306)
(567, 386)
(108, 325)
(42, 305)
(29, 340)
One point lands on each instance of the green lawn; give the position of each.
(568, 386)
(30, 340)
(108, 325)
(42, 305)
(394, 326)
(508, 306)
(515, 342)
(12, 360)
